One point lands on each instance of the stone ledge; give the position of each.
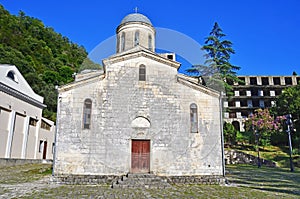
(109, 179)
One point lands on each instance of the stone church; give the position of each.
(138, 115)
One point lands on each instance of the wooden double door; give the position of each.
(140, 156)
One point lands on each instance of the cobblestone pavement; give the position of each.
(33, 181)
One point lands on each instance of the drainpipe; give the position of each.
(56, 127)
(221, 130)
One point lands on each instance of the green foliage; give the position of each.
(229, 133)
(217, 66)
(44, 57)
(288, 102)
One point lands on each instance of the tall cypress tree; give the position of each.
(217, 66)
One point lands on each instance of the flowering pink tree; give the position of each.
(262, 124)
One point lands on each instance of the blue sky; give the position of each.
(265, 33)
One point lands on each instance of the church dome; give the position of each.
(135, 30)
(136, 17)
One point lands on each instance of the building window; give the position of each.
(276, 80)
(253, 81)
(45, 125)
(41, 146)
(137, 38)
(265, 81)
(11, 75)
(123, 41)
(194, 118)
(32, 122)
(150, 47)
(142, 73)
(288, 81)
(87, 109)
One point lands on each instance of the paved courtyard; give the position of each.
(33, 181)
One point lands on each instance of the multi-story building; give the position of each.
(255, 92)
(24, 133)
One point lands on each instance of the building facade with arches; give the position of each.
(138, 115)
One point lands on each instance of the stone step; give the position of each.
(140, 181)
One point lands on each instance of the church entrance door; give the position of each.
(140, 156)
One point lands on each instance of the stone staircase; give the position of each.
(141, 181)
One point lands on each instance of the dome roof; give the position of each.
(136, 17)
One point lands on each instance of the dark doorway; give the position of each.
(45, 150)
(140, 156)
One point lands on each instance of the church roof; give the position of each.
(136, 17)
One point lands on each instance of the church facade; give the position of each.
(138, 115)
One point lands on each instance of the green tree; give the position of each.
(44, 57)
(229, 133)
(288, 102)
(217, 65)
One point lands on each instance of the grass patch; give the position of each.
(24, 173)
(280, 155)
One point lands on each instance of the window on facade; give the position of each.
(265, 81)
(288, 81)
(253, 81)
(276, 80)
(150, 42)
(242, 79)
(87, 110)
(142, 73)
(123, 41)
(32, 122)
(194, 118)
(137, 38)
(45, 125)
(41, 146)
(11, 75)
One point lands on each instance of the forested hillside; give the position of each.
(44, 57)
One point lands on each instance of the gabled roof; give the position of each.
(139, 51)
(13, 83)
(193, 83)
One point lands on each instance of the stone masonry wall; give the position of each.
(117, 101)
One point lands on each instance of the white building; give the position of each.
(24, 133)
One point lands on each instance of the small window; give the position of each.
(265, 81)
(150, 47)
(137, 38)
(194, 118)
(253, 81)
(41, 146)
(32, 122)
(87, 110)
(45, 125)
(11, 75)
(288, 81)
(123, 41)
(142, 73)
(276, 80)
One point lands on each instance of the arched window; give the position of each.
(194, 118)
(123, 41)
(137, 38)
(150, 42)
(87, 109)
(142, 73)
(11, 75)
